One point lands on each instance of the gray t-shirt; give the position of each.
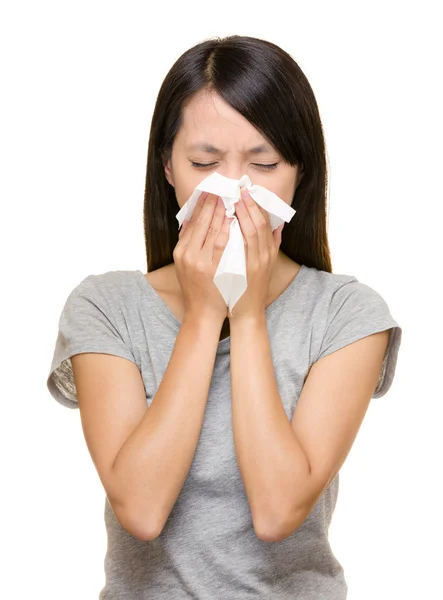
(208, 548)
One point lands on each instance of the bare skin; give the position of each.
(210, 119)
(165, 283)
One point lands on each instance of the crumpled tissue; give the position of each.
(230, 277)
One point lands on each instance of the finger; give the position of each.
(186, 234)
(221, 241)
(270, 236)
(200, 224)
(277, 235)
(249, 231)
(261, 221)
(182, 228)
(214, 229)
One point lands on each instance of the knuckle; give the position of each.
(220, 242)
(187, 259)
(261, 225)
(199, 220)
(200, 266)
(212, 231)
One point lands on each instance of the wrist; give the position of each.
(204, 320)
(247, 320)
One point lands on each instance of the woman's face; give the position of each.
(215, 134)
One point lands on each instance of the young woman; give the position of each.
(218, 437)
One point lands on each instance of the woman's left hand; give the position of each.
(261, 250)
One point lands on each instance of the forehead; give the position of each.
(210, 124)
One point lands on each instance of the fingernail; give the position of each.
(244, 194)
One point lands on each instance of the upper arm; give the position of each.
(355, 362)
(94, 369)
(112, 402)
(331, 408)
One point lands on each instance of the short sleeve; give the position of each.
(356, 311)
(85, 325)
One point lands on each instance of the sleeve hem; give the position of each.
(81, 349)
(390, 359)
(342, 342)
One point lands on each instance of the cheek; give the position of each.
(288, 195)
(184, 188)
(282, 183)
(285, 187)
(283, 190)
(184, 185)
(187, 183)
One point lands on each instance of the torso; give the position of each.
(164, 282)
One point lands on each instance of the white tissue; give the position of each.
(230, 277)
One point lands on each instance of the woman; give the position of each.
(218, 437)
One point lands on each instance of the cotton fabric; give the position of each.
(208, 548)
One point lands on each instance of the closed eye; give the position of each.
(265, 167)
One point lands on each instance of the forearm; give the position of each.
(272, 463)
(152, 465)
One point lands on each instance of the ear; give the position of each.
(167, 165)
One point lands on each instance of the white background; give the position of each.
(79, 82)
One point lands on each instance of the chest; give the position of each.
(173, 299)
(214, 466)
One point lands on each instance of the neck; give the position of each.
(282, 274)
(278, 277)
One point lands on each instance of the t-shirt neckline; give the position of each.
(225, 343)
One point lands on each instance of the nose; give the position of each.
(232, 173)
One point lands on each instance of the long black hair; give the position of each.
(265, 85)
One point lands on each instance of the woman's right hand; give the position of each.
(201, 243)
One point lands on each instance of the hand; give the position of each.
(261, 249)
(201, 243)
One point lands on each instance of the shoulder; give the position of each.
(334, 288)
(164, 280)
(111, 285)
(338, 302)
(329, 282)
(347, 310)
(112, 295)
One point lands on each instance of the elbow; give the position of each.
(145, 530)
(144, 533)
(277, 530)
(267, 530)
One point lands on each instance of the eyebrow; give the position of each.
(212, 149)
